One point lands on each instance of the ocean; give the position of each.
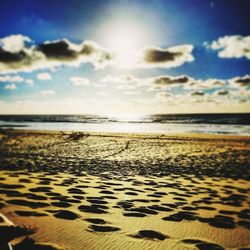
(234, 124)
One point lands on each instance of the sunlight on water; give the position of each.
(236, 124)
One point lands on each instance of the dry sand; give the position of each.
(123, 191)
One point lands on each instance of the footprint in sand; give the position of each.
(150, 234)
(29, 204)
(202, 245)
(219, 221)
(92, 209)
(103, 229)
(180, 216)
(67, 215)
(61, 204)
(30, 213)
(95, 220)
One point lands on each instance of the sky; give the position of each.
(115, 57)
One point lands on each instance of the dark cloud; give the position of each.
(10, 57)
(58, 49)
(16, 55)
(222, 92)
(65, 50)
(170, 57)
(197, 93)
(159, 56)
(244, 82)
(168, 80)
(88, 49)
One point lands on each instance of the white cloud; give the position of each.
(44, 76)
(126, 86)
(100, 85)
(79, 81)
(131, 92)
(8, 78)
(120, 79)
(14, 43)
(11, 86)
(124, 82)
(198, 84)
(232, 46)
(102, 93)
(49, 92)
(29, 81)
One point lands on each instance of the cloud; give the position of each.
(198, 93)
(102, 93)
(79, 81)
(11, 86)
(100, 85)
(17, 54)
(170, 80)
(124, 82)
(67, 52)
(237, 82)
(59, 50)
(131, 92)
(120, 79)
(198, 84)
(166, 58)
(162, 95)
(14, 43)
(166, 82)
(29, 81)
(126, 86)
(49, 92)
(241, 93)
(222, 92)
(8, 78)
(157, 83)
(15, 79)
(232, 46)
(44, 76)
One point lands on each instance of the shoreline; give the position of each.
(133, 134)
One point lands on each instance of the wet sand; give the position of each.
(76, 191)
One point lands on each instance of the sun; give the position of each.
(125, 38)
(126, 43)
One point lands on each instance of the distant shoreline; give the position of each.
(164, 136)
(222, 124)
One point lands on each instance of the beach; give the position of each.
(79, 190)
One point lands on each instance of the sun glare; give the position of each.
(126, 44)
(125, 38)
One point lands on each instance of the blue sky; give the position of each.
(124, 56)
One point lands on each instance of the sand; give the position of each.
(63, 190)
